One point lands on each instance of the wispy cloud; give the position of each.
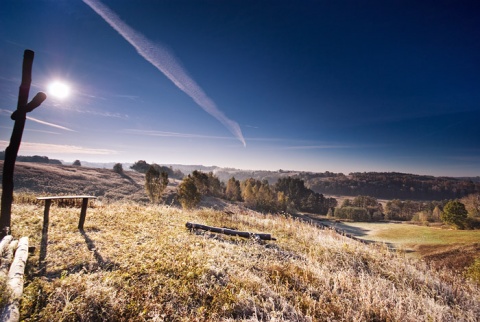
(100, 113)
(174, 134)
(31, 147)
(320, 147)
(325, 146)
(42, 131)
(50, 124)
(165, 62)
(7, 112)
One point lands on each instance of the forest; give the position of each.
(392, 185)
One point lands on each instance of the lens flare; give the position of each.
(59, 90)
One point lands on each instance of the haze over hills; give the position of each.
(380, 185)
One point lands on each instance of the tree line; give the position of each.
(142, 166)
(291, 194)
(287, 194)
(393, 185)
(461, 213)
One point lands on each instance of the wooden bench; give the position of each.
(83, 211)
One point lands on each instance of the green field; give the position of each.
(407, 234)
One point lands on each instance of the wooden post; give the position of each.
(83, 213)
(44, 242)
(11, 152)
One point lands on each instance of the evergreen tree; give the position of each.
(215, 187)
(249, 192)
(140, 166)
(282, 201)
(454, 213)
(118, 168)
(201, 182)
(155, 183)
(188, 194)
(232, 191)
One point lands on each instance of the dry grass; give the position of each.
(48, 179)
(138, 262)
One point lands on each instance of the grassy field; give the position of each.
(403, 234)
(453, 249)
(137, 262)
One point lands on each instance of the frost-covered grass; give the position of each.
(138, 262)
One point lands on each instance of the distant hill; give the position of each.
(381, 185)
(392, 185)
(35, 158)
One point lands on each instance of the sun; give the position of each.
(59, 89)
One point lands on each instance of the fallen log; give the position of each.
(230, 232)
(4, 243)
(11, 311)
(7, 257)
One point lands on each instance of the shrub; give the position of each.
(473, 272)
(4, 293)
(188, 193)
(140, 166)
(155, 183)
(352, 213)
(77, 163)
(118, 168)
(455, 214)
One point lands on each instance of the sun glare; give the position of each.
(59, 89)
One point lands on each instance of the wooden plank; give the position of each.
(230, 232)
(65, 197)
(48, 200)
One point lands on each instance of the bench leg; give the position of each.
(83, 213)
(44, 242)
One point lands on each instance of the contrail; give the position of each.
(165, 62)
(50, 124)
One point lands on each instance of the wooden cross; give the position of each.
(11, 152)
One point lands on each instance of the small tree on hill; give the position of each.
(140, 166)
(233, 191)
(77, 163)
(454, 213)
(155, 183)
(188, 194)
(118, 168)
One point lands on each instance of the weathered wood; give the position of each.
(66, 197)
(11, 152)
(48, 201)
(4, 243)
(83, 213)
(15, 281)
(7, 257)
(230, 232)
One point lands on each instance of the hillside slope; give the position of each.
(138, 262)
(52, 179)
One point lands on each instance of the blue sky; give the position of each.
(336, 86)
